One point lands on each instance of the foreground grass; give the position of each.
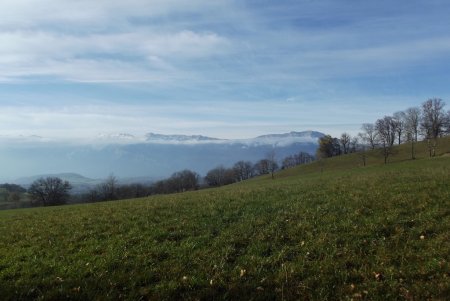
(374, 233)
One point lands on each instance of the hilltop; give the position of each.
(328, 230)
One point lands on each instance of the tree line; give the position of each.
(54, 191)
(11, 193)
(429, 122)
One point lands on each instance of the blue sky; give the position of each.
(228, 69)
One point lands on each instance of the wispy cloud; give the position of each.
(207, 66)
(137, 40)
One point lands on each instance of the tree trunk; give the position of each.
(429, 146)
(434, 147)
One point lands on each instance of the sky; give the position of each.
(224, 68)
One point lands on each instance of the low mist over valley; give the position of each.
(152, 156)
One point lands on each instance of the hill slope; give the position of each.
(377, 233)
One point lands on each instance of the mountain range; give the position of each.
(152, 156)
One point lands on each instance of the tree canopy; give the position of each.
(50, 191)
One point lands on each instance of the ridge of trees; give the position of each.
(187, 180)
(430, 121)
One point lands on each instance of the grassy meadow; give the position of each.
(331, 230)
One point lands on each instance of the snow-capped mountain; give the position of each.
(159, 138)
(116, 138)
(281, 140)
(271, 139)
(304, 134)
(121, 136)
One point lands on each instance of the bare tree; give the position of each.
(412, 118)
(288, 162)
(243, 170)
(399, 121)
(272, 161)
(369, 134)
(220, 176)
(386, 135)
(262, 167)
(362, 151)
(433, 122)
(345, 142)
(50, 191)
(412, 121)
(183, 181)
(303, 158)
(107, 190)
(354, 144)
(448, 122)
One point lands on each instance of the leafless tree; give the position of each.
(297, 159)
(412, 121)
(362, 151)
(433, 122)
(50, 191)
(386, 135)
(354, 144)
(272, 162)
(262, 167)
(243, 170)
(345, 142)
(399, 122)
(448, 122)
(369, 134)
(183, 181)
(220, 176)
(303, 158)
(288, 162)
(107, 190)
(412, 118)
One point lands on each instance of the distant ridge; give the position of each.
(180, 138)
(151, 156)
(79, 183)
(71, 177)
(312, 134)
(185, 138)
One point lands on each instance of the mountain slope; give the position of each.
(78, 182)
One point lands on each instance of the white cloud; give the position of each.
(88, 13)
(155, 40)
(104, 57)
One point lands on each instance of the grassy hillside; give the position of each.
(373, 157)
(373, 233)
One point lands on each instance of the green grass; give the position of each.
(351, 161)
(373, 233)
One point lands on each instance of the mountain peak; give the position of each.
(153, 137)
(303, 134)
(124, 136)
